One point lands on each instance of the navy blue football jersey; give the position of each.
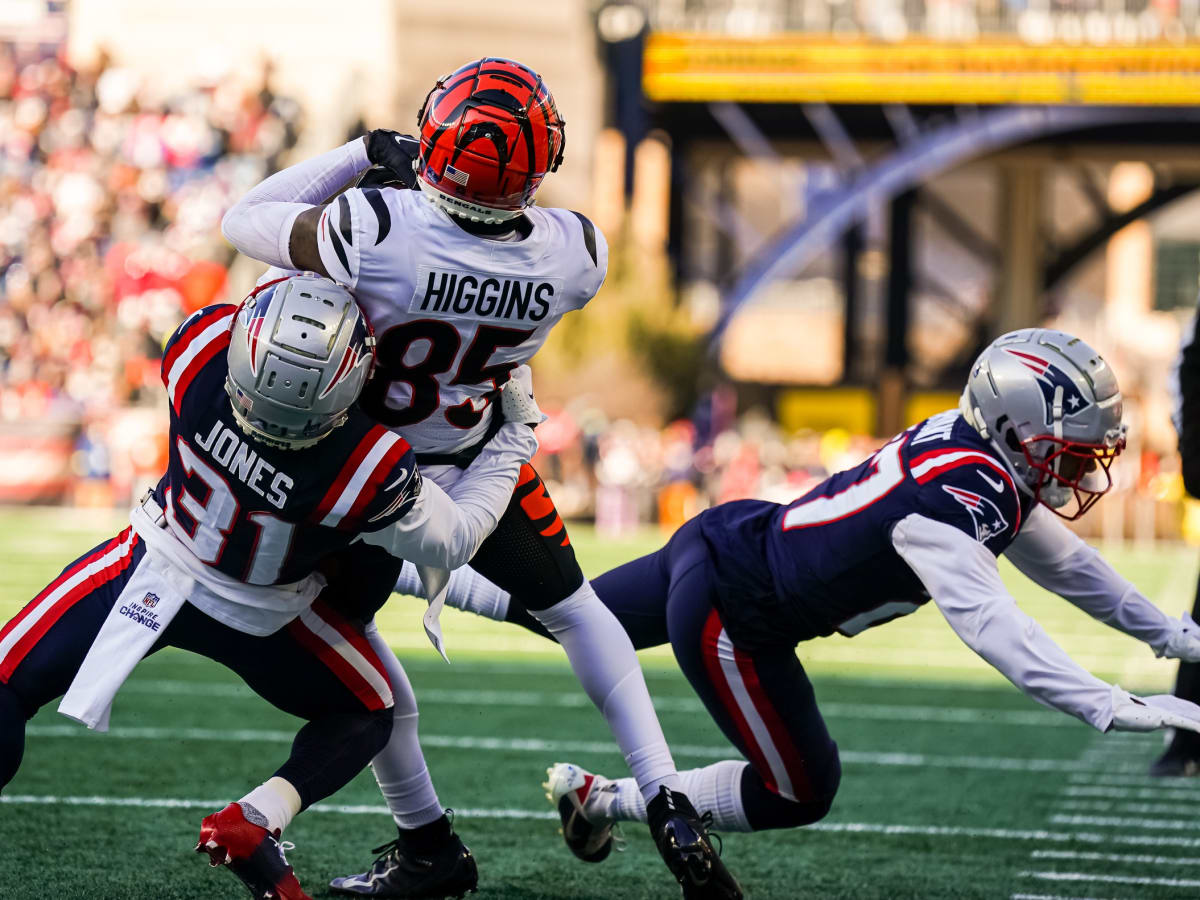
(263, 514)
(826, 562)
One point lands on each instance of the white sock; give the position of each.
(606, 665)
(716, 788)
(275, 800)
(400, 766)
(468, 590)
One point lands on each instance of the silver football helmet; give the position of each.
(1050, 405)
(299, 355)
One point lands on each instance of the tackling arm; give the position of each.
(1054, 557)
(961, 576)
(276, 221)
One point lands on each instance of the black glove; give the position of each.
(395, 153)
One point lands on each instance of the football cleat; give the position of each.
(585, 826)
(251, 852)
(1181, 759)
(682, 840)
(397, 872)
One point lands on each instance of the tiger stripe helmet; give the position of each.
(489, 133)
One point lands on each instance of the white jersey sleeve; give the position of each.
(961, 577)
(445, 528)
(1054, 557)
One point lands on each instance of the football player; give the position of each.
(739, 586)
(464, 277)
(270, 471)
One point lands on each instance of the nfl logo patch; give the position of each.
(150, 601)
(457, 176)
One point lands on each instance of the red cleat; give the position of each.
(251, 852)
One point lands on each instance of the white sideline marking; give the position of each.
(1126, 822)
(1111, 879)
(579, 700)
(537, 745)
(1055, 897)
(1140, 859)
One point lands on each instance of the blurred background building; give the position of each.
(819, 212)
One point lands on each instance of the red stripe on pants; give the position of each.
(48, 619)
(333, 661)
(784, 746)
(712, 662)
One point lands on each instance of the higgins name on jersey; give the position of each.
(454, 313)
(819, 565)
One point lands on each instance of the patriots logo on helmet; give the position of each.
(255, 312)
(1049, 378)
(989, 521)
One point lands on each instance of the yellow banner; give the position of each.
(795, 68)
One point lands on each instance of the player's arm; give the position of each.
(284, 220)
(961, 576)
(1054, 557)
(445, 528)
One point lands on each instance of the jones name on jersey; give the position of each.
(259, 513)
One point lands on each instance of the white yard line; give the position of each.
(1126, 858)
(1134, 780)
(1129, 793)
(1127, 822)
(537, 745)
(1055, 897)
(1110, 806)
(577, 699)
(1112, 879)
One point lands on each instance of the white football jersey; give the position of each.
(453, 313)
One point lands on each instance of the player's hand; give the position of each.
(1184, 642)
(516, 399)
(1132, 713)
(395, 152)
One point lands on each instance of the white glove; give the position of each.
(1132, 713)
(1184, 642)
(516, 399)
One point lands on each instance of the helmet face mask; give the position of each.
(490, 133)
(299, 355)
(1051, 407)
(1074, 475)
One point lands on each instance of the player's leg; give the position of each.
(320, 668)
(42, 647)
(427, 858)
(763, 702)
(1182, 756)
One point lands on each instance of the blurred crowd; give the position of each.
(110, 198)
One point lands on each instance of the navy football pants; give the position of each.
(764, 703)
(312, 668)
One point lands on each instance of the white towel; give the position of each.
(437, 585)
(152, 597)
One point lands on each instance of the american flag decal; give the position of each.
(457, 176)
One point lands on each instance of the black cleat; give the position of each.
(398, 872)
(1179, 760)
(682, 840)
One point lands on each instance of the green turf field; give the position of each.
(954, 785)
